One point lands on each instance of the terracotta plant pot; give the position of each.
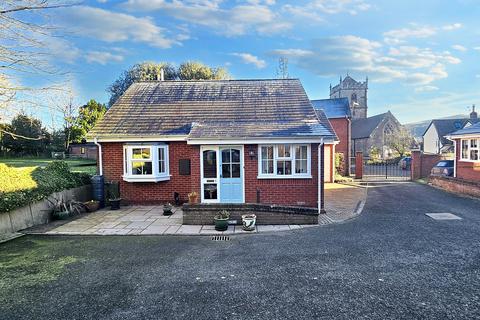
(92, 206)
(192, 200)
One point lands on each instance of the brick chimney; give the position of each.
(473, 114)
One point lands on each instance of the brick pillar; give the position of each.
(358, 165)
(416, 170)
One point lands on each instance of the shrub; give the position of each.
(21, 186)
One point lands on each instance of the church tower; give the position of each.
(356, 92)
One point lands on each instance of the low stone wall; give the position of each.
(201, 214)
(456, 185)
(39, 212)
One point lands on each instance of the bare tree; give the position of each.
(24, 34)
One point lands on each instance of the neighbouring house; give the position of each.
(434, 140)
(338, 113)
(231, 141)
(467, 152)
(373, 132)
(87, 150)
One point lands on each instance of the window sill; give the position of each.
(471, 161)
(146, 179)
(284, 177)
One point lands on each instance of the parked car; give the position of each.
(443, 168)
(405, 163)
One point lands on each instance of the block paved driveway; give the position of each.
(391, 262)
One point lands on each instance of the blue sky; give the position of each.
(421, 57)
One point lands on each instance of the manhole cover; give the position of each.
(221, 238)
(443, 216)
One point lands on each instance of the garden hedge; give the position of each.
(21, 186)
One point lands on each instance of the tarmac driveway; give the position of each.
(392, 262)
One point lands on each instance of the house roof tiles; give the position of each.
(333, 108)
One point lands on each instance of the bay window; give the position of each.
(145, 163)
(470, 150)
(284, 161)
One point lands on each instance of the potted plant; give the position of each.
(221, 220)
(167, 209)
(92, 205)
(192, 197)
(64, 210)
(248, 221)
(114, 195)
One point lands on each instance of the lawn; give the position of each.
(76, 165)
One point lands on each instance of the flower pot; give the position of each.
(63, 215)
(221, 224)
(114, 204)
(167, 210)
(92, 206)
(192, 200)
(248, 221)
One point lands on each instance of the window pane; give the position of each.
(235, 155)
(288, 167)
(473, 154)
(464, 149)
(281, 167)
(267, 153)
(226, 156)
(161, 160)
(267, 166)
(226, 171)
(161, 166)
(473, 143)
(284, 151)
(287, 150)
(301, 152)
(236, 170)
(301, 166)
(141, 153)
(141, 167)
(210, 191)
(209, 164)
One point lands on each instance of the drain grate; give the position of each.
(221, 238)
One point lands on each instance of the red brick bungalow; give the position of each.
(467, 153)
(338, 113)
(231, 141)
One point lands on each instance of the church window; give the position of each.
(354, 97)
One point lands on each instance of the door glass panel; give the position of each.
(226, 156)
(210, 191)
(236, 170)
(209, 164)
(235, 156)
(226, 173)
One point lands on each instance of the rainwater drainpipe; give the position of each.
(100, 164)
(321, 178)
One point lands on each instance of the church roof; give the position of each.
(333, 108)
(363, 128)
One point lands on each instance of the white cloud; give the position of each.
(452, 26)
(414, 31)
(110, 26)
(251, 59)
(342, 54)
(102, 57)
(63, 49)
(316, 10)
(459, 47)
(426, 89)
(234, 21)
(476, 48)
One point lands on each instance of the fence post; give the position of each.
(358, 165)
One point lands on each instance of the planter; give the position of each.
(167, 210)
(221, 224)
(248, 221)
(192, 200)
(92, 206)
(63, 215)
(114, 204)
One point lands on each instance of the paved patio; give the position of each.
(342, 202)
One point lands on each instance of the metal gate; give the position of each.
(381, 170)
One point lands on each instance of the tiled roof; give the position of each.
(333, 108)
(212, 109)
(446, 126)
(323, 119)
(363, 128)
(473, 129)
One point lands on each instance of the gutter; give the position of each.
(100, 164)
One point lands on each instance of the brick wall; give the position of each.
(301, 192)
(342, 129)
(298, 192)
(154, 192)
(456, 185)
(204, 214)
(422, 164)
(467, 170)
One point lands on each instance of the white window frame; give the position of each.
(154, 158)
(469, 148)
(307, 175)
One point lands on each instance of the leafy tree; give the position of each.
(88, 115)
(400, 142)
(193, 70)
(139, 72)
(19, 139)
